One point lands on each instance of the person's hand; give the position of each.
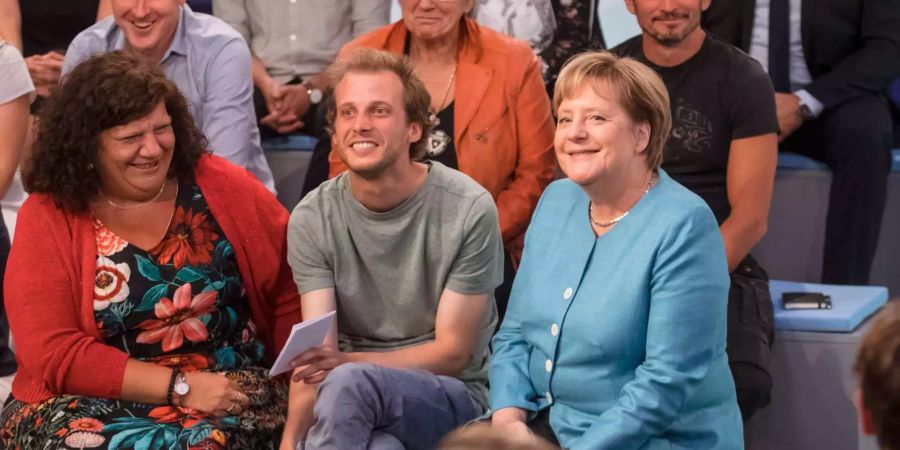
(518, 432)
(215, 394)
(279, 118)
(789, 117)
(313, 365)
(45, 71)
(511, 421)
(296, 100)
(287, 444)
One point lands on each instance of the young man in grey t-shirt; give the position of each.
(409, 254)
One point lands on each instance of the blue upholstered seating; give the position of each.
(794, 161)
(850, 306)
(294, 142)
(894, 92)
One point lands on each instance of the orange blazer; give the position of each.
(503, 127)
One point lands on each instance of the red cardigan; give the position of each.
(50, 279)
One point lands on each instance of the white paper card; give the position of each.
(304, 336)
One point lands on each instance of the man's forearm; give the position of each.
(261, 78)
(300, 417)
(11, 22)
(740, 236)
(318, 81)
(430, 356)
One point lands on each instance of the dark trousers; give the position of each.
(854, 140)
(501, 294)
(751, 332)
(7, 359)
(317, 171)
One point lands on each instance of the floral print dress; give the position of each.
(180, 304)
(577, 30)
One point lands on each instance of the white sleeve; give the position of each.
(14, 79)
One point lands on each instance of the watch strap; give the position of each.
(806, 112)
(171, 389)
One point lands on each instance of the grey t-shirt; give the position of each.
(389, 269)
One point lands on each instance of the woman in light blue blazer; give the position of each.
(615, 333)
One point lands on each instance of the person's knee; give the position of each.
(346, 378)
(753, 386)
(382, 440)
(861, 142)
(347, 384)
(866, 146)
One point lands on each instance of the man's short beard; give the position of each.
(667, 41)
(671, 39)
(375, 172)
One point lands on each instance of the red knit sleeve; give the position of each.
(280, 290)
(44, 290)
(256, 223)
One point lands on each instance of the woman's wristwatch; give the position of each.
(178, 387)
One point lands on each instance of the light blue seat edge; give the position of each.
(852, 305)
(294, 142)
(795, 161)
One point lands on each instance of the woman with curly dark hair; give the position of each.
(147, 287)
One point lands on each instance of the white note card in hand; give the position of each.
(304, 336)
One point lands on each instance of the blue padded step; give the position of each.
(294, 142)
(850, 306)
(795, 161)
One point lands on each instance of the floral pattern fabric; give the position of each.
(179, 304)
(577, 30)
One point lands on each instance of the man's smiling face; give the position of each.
(149, 25)
(372, 133)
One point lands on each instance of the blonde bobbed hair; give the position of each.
(637, 89)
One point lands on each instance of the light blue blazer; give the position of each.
(621, 336)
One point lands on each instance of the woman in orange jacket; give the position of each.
(493, 115)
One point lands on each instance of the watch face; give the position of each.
(182, 388)
(315, 96)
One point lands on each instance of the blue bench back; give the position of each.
(794, 161)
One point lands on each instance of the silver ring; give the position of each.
(230, 408)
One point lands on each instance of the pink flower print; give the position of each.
(179, 319)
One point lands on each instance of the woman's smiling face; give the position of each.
(433, 19)
(595, 136)
(134, 158)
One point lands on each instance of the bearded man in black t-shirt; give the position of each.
(723, 147)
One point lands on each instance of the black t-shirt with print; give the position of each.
(440, 145)
(717, 96)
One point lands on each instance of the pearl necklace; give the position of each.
(653, 178)
(115, 204)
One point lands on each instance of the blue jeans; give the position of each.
(364, 406)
